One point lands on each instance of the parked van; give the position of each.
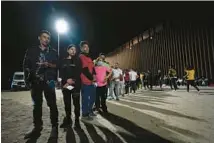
(18, 81)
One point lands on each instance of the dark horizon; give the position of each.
(106, 25)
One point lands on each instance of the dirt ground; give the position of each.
(147, 116)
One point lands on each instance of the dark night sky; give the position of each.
(106, 25)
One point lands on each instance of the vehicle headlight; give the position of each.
(14, 82)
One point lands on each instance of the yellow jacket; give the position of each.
(190, 74)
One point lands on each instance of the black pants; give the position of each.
(138, 82)
(145, 84)
(127, 84)
(192, 83)
(37, 97)
(173, 83)
(101, 93)
(160, 82)
(151, 84)
(67, 102)
(133, 86)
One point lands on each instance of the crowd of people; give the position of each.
(93, 80)
(129, 80)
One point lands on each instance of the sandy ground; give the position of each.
(147, 116)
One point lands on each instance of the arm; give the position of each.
(121, 75)
(169, 72)
(185, 76)
(61, 72)
(78, 73)
(137, 75)
(109, 73)
(85, 69)
(27, 67)
(53, 63)
(96, 60)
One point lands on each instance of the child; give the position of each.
(101, 91)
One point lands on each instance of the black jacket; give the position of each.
(71, 68)
(32, 69)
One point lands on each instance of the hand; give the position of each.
(105, 80)
(38, 63)
(98, 58)
(94, 79)
(112, 79)
(65, 86)
(46, 64)
(70, 81)
(94, 83)
(59, 79)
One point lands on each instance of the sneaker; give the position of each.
(98, 110)
(92, 114)
(86, 118)
(110, 98)
(117, 99)
(105, 111)
(199, 92)
(35, 132)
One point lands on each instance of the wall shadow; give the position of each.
(163, 111)
(141, 135)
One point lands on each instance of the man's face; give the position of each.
(85, 48)
(72, 51)
(116, 66)
(44, 39)
(102, 57)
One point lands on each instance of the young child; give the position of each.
(102, 75)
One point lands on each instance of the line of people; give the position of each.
(80, 75)
(157, 79)
(130, 80)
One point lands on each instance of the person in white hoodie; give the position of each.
(115, 81)
(122, 84)
(133, 77)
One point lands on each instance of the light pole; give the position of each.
(61, 28)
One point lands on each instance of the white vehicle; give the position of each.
(18, 81)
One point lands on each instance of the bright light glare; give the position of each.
(61, 26)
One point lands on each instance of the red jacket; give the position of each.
(126, 78)
(87, 66)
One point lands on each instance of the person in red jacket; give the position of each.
(88, 90)
(127, 81)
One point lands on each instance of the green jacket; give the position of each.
(172, 72)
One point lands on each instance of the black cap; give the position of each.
(71, 45)
(101, 54)
(44, 31)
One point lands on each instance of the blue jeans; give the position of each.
(116, 85)
(88, 98)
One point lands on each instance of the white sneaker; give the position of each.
(199, 92)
